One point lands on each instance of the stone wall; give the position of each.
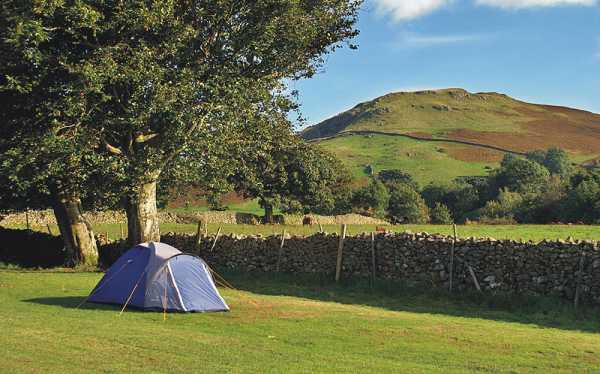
(46, 217)
(545, 268)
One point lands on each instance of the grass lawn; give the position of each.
(523, 232)
(290, 324)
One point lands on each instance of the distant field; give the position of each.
(289, 324)
(517, 232)
(248, 206)
(425, 161)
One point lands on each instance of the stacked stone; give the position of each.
(556, 268)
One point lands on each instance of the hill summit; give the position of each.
(437, 135)
(486, 118)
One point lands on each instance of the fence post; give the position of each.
(216, 238)
(27, 219)
(280, 251)
(121, 228)
(373, 263)
(338, 267)
(578, 284)
(199, 233)
(474, 278)
(451, 267)
(49, 229)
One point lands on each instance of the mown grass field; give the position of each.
(534, 233)
(291, 324)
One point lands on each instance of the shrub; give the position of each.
(440, 214)
(407, 206)
(373, 198)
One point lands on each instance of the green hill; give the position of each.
(438, 135)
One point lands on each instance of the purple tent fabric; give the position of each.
(156, 276)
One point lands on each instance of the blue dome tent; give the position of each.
(156, 276)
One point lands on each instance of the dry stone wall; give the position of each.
(545, 268)
(46, 217)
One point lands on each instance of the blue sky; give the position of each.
(544, 51)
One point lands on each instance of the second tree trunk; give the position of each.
(142, 215)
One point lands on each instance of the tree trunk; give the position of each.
(268, 218)
(142, 215)
(75, 231)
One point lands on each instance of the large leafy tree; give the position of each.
(47, 158)
(158, 77)
(173, 72)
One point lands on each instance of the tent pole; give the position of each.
(165, 299)
(131, 294)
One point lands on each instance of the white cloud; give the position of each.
(402, 10)
(521, 4)
(421, 40)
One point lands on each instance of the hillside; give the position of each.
(441, 134)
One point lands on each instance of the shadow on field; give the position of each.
(541, 311)
(72, 302)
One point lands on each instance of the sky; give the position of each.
(541, 51)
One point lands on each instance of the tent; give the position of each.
(156, 276)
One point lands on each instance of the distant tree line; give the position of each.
(542, 187)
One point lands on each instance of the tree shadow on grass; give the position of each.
(544, 312)
(75, 302)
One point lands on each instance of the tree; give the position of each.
(582, 202)
(554, 159)
(521, 175)
(46, 157)
(373, 198)
(167, 74)
(407, 206)
(282, 170)
(396, 176)
(440, 214)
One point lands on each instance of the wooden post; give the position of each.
(216, 238)
(320, 227)
(578, 284)
(107, 238)
(49, 229)
(121, 229)
(338, 267)
(199, 233)
(206, 229)
(474, 278)
(27, 219)
(451, 266)
(373, 263)
(280, 251)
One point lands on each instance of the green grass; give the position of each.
(424, 161)
(291, 324)
(249, 206)
(412, 112)
(517, 232)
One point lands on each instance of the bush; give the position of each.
(407, 206)
(373, 198)
(440, 214)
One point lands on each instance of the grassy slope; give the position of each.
(516, 232)
(489, 119)
(288, 326)
(426, 162)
